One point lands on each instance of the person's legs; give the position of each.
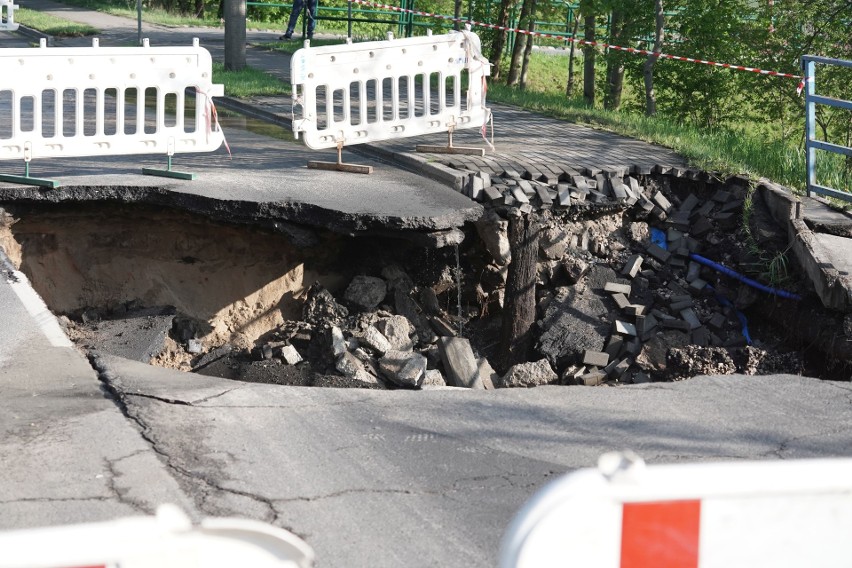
(312, 17)
(294, 17)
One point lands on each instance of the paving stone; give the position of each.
(597, 197)
(705, 209)
(565, 197)
(592, 379)
(641, 377)
(624, 328)
(662, 202)
(689, 317)
(526, 187)
(403, 368)
(621, 301)
(493, 194)
(632, 266)
(645, 326)
(721, 196)
(526, 208)
(614, 345)
(619, 190)
(579, 195)
(681, 305)
(689, 203)
(620, 368)
(698, 285)
(544, 197)
(520, 195)
(616, 288)
(511, 174)
(693, 271)
(731, 205)
(289, 355)
(602, 185)
(634, 185)
(717, 321)
(635, 310)
(595, 358)
(580, 182)
(633, 348)
(675, 324)
(658, 252)
(701, 336)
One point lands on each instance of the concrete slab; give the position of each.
(265, 179)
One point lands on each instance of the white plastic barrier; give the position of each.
(167, 541)
(364, 92)
(95, 101)
(716, 515)
(7, 16)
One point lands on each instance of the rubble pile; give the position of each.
(620, 297)
(629, 289)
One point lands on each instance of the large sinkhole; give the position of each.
(247, 302)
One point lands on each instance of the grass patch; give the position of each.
(719, 149)
(291, 47)
(52, 25)
(248, 82)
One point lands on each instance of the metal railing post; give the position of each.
(810, 123)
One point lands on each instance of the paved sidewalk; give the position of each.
(519, 136)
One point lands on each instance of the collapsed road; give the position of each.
(368, 477)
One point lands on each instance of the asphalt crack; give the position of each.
(120, 400)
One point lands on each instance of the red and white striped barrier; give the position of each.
(633, 50)
(168, 540)
(715, 515)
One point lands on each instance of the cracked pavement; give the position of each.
(67, 454)
(390, 478)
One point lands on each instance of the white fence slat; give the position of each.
(7, 16)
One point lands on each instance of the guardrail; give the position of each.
(61, 102)
(7, 16)
(811, 143)
(356, 93)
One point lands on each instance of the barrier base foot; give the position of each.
(168, 173)
(27, 180)
(340, 167)
(466, 150)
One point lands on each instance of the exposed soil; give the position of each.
(180, 291)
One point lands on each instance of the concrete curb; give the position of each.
(833, 287)
(35, 34)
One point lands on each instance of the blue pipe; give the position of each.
(740, 316)
(744, 279)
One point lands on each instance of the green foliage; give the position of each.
(52, 25)
(248, 82)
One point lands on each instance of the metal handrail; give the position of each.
(812, 99)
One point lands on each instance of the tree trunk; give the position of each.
(589, 60)
(615, 63)
(648, 71)
(519, 310)
(569, 86)
(528, 49)
(235, 34)
(500, 40)
(520, 43)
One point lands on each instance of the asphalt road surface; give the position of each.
(432, 478)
